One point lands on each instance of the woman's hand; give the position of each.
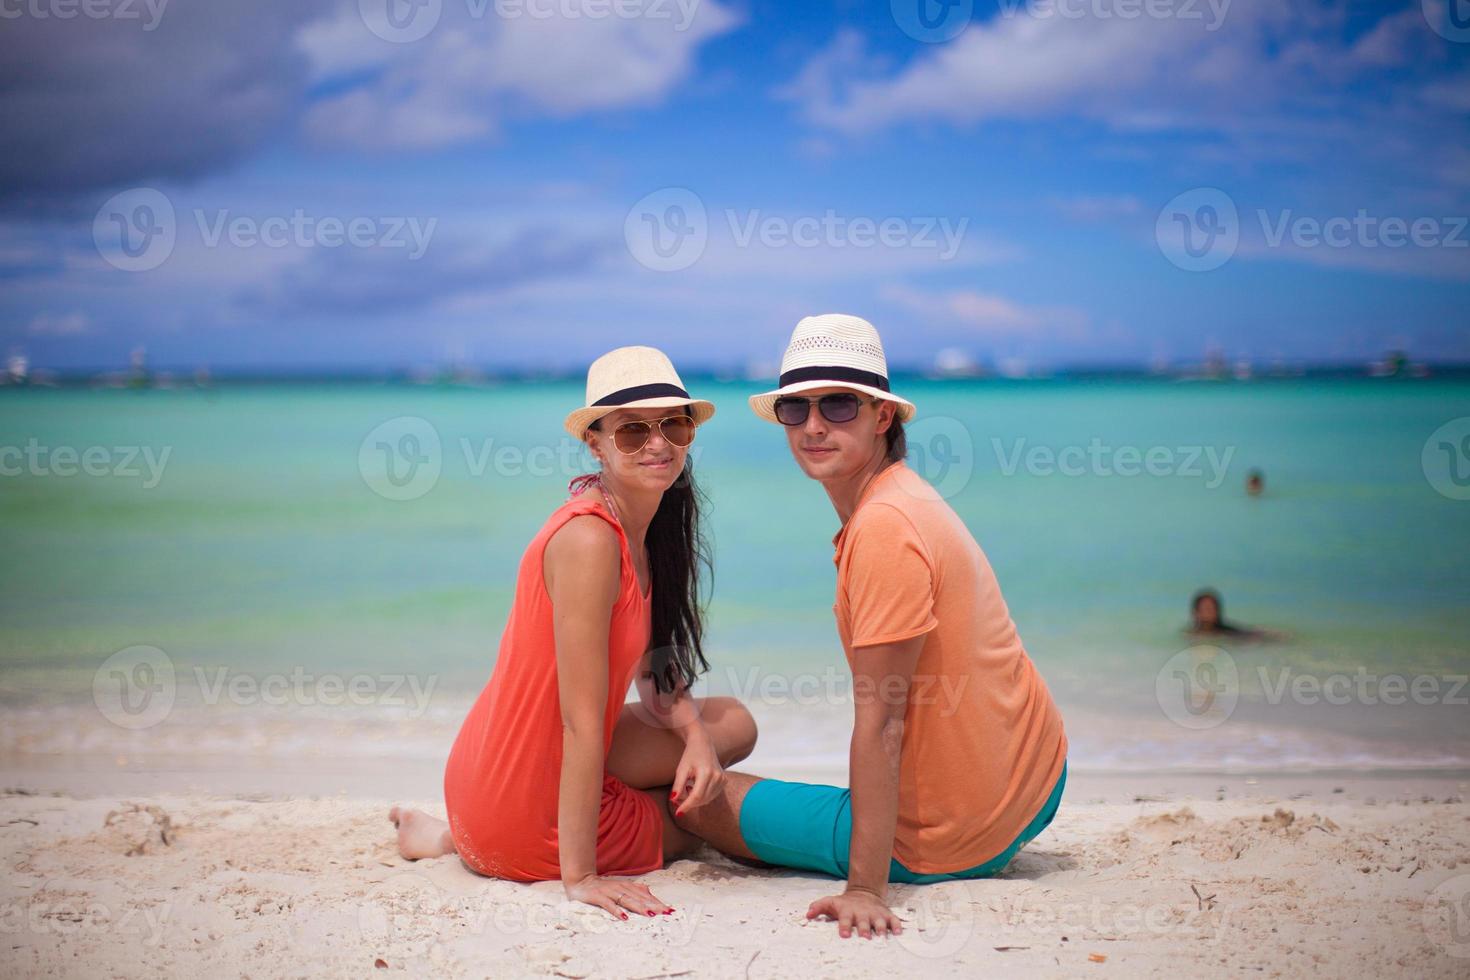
(699, 776)
(858, 909)
(617, 896)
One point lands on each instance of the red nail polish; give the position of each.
(625, 915)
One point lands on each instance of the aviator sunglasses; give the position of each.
(834, 408)
(631, 437)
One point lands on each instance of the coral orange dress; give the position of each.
(503, 777)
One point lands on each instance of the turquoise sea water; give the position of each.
(265, 546)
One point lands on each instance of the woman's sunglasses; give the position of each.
(631, 437)
(834, 408)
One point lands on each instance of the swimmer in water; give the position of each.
(1208, 619)
(1255, 483)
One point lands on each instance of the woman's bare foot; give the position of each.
(420, 835)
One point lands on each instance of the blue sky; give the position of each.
(1056, 182)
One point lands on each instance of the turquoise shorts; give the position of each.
(802, 825)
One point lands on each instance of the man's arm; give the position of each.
(881, 676)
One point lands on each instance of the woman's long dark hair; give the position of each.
(678, 553)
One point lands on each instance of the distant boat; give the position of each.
(953, 362)
(17, 369)
(1396, 364)
(761, 370)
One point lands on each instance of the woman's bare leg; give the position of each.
(645, 755)
(420, 835)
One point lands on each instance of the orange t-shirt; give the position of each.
(502, 783)
(983, 744)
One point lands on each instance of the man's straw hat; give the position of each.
(832, 349)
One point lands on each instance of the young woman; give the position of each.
(552, 776)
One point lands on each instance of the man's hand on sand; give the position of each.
(860, 910)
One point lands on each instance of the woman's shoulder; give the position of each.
(582, 526)
(583, 555)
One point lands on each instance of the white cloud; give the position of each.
(471, 72)
(1098, 207)
(986, 313)
(1131, 73)
(59, 325)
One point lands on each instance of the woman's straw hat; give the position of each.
(832, 349)
(634, 377)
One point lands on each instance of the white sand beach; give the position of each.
(1141, 875)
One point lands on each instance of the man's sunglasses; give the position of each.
(631, 437)
(834, 408)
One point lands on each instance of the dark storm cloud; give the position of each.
(88, 102)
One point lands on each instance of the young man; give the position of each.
(958, 756)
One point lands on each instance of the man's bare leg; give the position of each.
(645, 755)
(718, 821)
(420, 835)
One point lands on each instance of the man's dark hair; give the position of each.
(898, 442)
